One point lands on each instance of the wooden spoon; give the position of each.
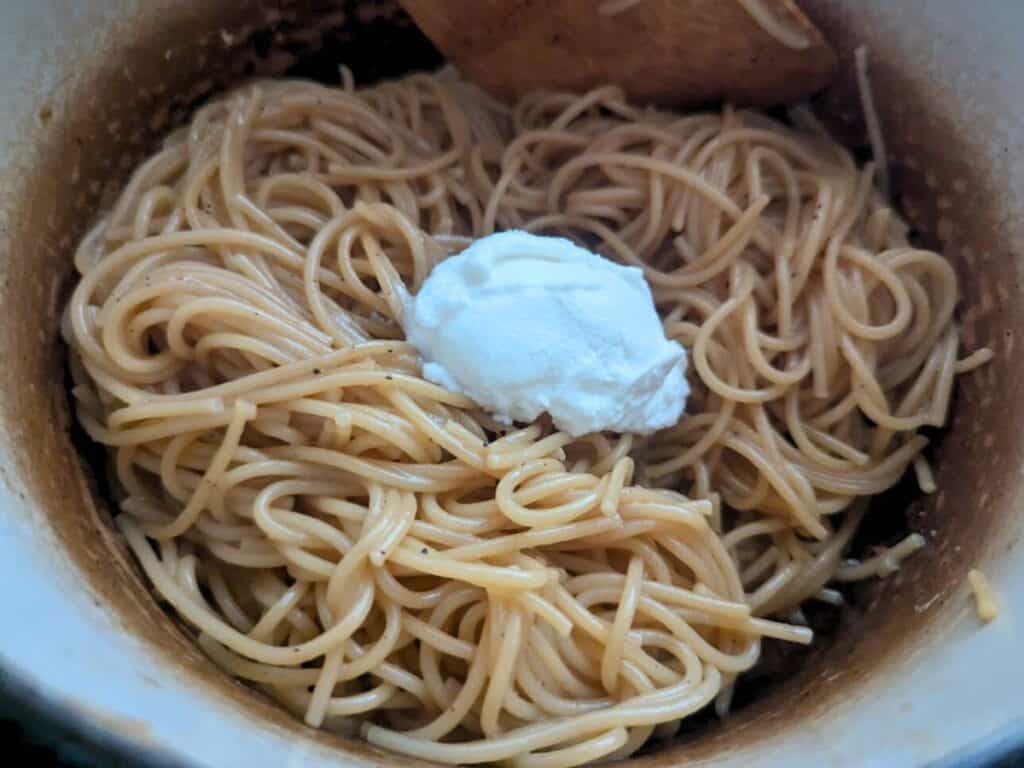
(672, 52)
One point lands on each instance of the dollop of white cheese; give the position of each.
(524, 324)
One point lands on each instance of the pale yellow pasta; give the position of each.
(769, 19)
(984, 595)
(371, 548)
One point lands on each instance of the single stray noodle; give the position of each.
(766, 17)
(984, 595)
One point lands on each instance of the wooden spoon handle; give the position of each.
(672, 52)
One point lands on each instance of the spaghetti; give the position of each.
(986, 603)
(378, 553)
(773, 19)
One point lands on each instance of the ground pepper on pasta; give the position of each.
(372, 549)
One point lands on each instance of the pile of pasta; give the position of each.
(377, 552)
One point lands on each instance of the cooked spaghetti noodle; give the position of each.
(772, 19)
(986, 603)
(370, 548)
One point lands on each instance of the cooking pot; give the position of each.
(911, 676)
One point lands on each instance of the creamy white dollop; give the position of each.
(524, 324)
